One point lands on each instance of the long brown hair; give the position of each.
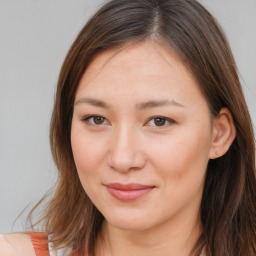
(228, 208)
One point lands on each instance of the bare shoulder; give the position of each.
(16, 244)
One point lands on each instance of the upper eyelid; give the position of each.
(164, 117)
(93, 115)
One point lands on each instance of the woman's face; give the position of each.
(141, 137)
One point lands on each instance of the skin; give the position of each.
(127, 145)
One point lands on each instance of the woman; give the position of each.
(152, 139)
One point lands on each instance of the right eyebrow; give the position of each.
(94, 102)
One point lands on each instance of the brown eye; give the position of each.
(95, 120)
(98, 120)
(159, 121)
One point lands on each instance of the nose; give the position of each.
(125, 150)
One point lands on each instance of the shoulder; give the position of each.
(16, 244)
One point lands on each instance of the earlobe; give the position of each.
(224, 133)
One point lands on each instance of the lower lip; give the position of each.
(128, 195)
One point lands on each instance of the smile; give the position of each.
(128, 192)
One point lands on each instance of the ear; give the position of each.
(224, 133)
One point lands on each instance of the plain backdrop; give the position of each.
(34, 38)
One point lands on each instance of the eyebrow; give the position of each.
(94, 102)
(140, 106)
(158, 103)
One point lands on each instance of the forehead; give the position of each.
(145, 68)
(151, 55)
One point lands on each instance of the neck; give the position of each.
(167, 239)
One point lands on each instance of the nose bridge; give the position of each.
(125, 152)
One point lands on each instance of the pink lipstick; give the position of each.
(128, 192)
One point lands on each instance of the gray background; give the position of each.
(34, 38)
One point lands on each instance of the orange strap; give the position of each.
(40, 243)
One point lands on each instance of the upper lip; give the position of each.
(128, 187)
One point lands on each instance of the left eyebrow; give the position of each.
(158, 103)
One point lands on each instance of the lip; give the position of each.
(128, 192)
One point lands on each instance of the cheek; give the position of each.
(183, 156)
(182, 164)
(88, 151)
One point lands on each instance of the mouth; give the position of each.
(128, 192)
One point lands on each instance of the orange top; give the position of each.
(40, 243)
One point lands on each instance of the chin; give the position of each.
(136, 222)
(130, 225)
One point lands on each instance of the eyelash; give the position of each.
(167, 121)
